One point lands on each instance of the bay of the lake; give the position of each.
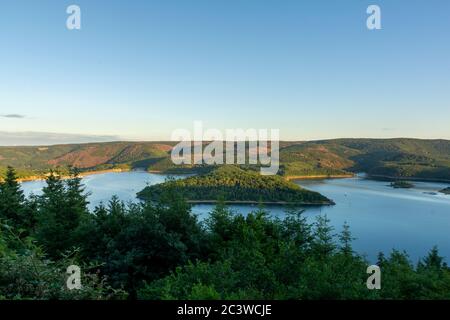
(381, 218)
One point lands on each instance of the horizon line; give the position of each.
(171, 141)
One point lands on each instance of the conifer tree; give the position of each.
(12, 200)
(323, 244)
(61, 209)
(345, 238)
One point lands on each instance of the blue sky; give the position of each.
(140, 69)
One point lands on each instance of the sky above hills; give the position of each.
(140, 69)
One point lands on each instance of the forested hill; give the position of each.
(37, 160)
(402, 158)
(232, 184)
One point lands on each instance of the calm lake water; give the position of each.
(381, 218)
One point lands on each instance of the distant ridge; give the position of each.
(384, 158)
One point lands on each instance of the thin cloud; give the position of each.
(13, 116)
(49, 138)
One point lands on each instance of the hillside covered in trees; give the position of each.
(380, 158)
(160, 250)
(233, 184)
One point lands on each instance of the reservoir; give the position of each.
(380, 217)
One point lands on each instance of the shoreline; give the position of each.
(81, 174)
(418, 179)
(288, 178)
(314, 177)
(275, 203)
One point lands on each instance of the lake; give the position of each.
(381, 218)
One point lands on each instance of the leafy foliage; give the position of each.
(26, 273)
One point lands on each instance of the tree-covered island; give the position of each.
(236, 185)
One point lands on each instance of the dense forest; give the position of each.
(160, 250)
(380, 158)
(234, 184)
